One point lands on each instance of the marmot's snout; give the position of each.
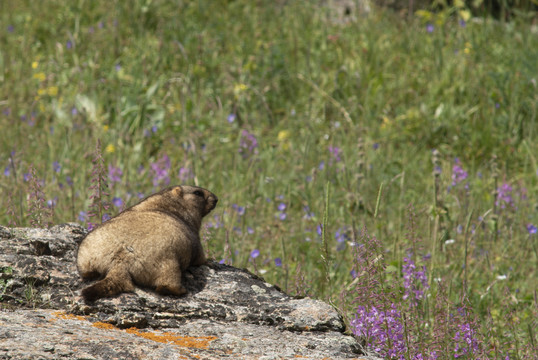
(212, 201)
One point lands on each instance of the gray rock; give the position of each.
(227, 313)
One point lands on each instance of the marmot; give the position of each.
(148, 244)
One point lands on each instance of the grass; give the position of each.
(310, 128)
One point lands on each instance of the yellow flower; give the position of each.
(459, 4)
(283, 135)
(468, 48)
(172, 108)
(385, 123)
(52, 91)
(40, 76)
(41, 92)
(424, 14)
(105, 128)
(35, 64)
(239, 88)
(465, 15)
(110, 149)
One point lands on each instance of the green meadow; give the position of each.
(374, 160)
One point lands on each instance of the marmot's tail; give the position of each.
(116, 281)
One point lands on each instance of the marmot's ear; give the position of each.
(177, 191)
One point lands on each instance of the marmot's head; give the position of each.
(195, 198)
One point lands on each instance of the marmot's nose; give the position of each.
(213, 200)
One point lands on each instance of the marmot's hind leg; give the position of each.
(168, 281)
(116, 281)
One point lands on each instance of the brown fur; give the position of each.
(149, 244)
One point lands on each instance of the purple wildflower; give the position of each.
(248, 144)
(51, 203)
(278, 262)
(117, 202)
(69, 44)
(504, 196)
(383, 330)
(185, 174)
(308, 214)
(335, 152)
(430, 28)
(281, 207)
(319, 229)
(531, 229)
(7, 170)
(415, 281)
(114, 174)
(56, 167)
(458, 174)
(216, 223)
(341, 236)
(241, 210)
(10, 28)
(160, 170)
(82, 216)
(465, 338)
(282, 216)
(375, 146)
(250, 230)
(255, 253)
(231, 118)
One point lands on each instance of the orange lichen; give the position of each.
(65, 316)
(201, 342)
(103, 325)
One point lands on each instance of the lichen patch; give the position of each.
(65, 316)
(199, 342)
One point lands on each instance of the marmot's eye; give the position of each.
(198, 193)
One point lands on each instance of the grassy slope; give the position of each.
(156, 78)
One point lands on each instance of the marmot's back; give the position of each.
(149, 244)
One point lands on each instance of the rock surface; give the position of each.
(228, 312)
